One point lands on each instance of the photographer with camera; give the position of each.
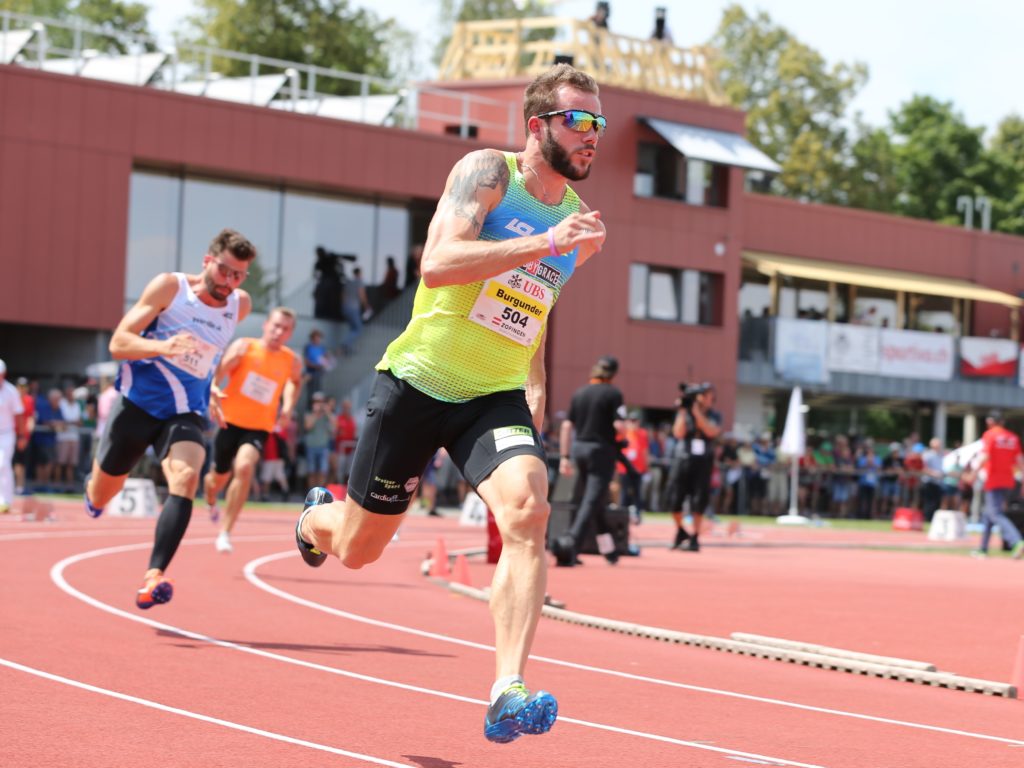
(596, 412)
(696, 426)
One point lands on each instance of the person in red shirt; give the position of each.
(637, 451)
(345, 437)
(1001, 455)
(24, 435)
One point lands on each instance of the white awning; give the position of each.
(129, 69)
(12, 42)
(876, 277)
(259, 90)
(713, 146)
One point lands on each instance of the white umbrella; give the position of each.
(794, 442)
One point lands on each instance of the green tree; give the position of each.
(795, 102)
(325, 33)
(112, 15)
(869, 179)
(1007, 154)
(938, 157)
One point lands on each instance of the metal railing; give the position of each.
(77, 48)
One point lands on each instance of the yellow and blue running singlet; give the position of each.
(466, 341)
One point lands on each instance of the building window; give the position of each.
(153, 215)
(662, 172)
(685, 296)
(209, 206)
(173, 218)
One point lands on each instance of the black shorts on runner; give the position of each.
(131, 430)
(229, 440)
(404, 428)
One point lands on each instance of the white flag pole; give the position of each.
(794, 443)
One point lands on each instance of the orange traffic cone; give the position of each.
(440, 566)
(461, 572)
(1017, 680)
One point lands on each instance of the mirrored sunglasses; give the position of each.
(580, 120)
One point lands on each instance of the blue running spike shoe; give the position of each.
(517, 711)
(90, 510)
(155, 591)
(310, 554)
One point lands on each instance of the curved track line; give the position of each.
(57, 575)
(252, 577)
(197, 716)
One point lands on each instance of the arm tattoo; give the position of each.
(485, 170)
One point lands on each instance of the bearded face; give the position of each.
(560, 159)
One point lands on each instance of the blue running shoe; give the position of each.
(517, 711)
(155, 591)
(90, 510)
(312, 556)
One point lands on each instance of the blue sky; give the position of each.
(965, 52)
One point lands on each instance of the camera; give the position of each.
(689, 393)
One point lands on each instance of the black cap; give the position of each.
(996, 416)
(609, 363)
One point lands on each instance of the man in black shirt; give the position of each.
(696, 425)
(596, 412)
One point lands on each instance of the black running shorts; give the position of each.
(404, 428)
(229, 440)
(131, 430)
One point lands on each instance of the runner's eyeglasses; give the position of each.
(580, 120)
(228, 272)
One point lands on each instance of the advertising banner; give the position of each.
(853, 348)
(800, 349)
(981, 356)
(916, 355)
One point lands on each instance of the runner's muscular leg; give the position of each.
(517, 591)
(181, 467)
(102, 487)
(351, 533)
(244, 468)
(214, 483)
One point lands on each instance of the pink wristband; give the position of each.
(551, 242)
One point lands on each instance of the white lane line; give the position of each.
(198, 716)
(251, 576)
(57, 575)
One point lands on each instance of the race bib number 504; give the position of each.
(513, 305)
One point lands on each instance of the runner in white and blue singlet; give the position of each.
(170, 342)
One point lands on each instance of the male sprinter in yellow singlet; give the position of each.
(262, 374)
(467, 374)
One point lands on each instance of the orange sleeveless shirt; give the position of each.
(254, 387)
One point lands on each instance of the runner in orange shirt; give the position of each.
(262, 374)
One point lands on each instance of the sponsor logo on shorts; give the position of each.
(512, 437)
(390, 485)
(388, 499)
(411, 483)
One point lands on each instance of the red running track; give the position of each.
(262, 661)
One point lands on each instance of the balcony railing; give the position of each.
(901, 364)
(504, 48)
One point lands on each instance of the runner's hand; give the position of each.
(585, 230)
(179, 344)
